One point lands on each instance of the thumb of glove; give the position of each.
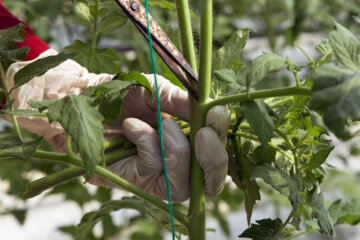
(210, 149)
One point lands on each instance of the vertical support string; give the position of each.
(159, 121)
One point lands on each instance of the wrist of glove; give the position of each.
(138, 114)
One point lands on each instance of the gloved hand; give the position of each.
(138, 113)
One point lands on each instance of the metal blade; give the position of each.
(161, 43)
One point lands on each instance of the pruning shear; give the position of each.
(161, 43)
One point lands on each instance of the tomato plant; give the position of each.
(278, 138)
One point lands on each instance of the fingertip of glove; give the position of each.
(218, 118)
(134, 128)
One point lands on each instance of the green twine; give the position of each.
(160, 122)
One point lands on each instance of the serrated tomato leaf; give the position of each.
(39, 67)
(348, 213)
(264, 229)
(111, 22)
(13, 146)
(95, 60)
(229, 54)
(315, 200)
(9, 51)
(226, 75)
(82, 13)
(139, 79)
(83, 123)
(108, 96)
(261, 66)
(240, 170)
(279, 180)
(344, 104)
(90, 219)
(318, 158)
(256, 113)
(346, 47)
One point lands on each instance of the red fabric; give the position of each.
(37, 46)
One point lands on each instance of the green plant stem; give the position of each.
(297, 79)
(255, 138)
(95, 33)
(106, 174)
(7, 94)
(114, 142)
(68, 144)
(276, 92)
(297, 235)
(291, 146)
(282, 102)
(198, 112)
(196, 213)
(288, 218)
(186, 36)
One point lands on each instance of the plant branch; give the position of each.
(68, 144)
(198, 112)
(7, 94)
(106, 174)
(255, 138)
(276, 92)
(291, 146)
(186, 36)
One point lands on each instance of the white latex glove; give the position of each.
(138, 111)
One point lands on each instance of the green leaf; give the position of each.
(259, 119)
(83, 123)
(39, 67)
(349, 213)
(83, 13)
(318, 158)
(90, 219)
(9, 51)
(293, 66)
(20, 215)
(41, 105)
(13, 146)
(109, 97)
(265, 229)
(344, 104)
(325, 48)
(164, 4)
(111, 23)
(262, 65)
(9, 36)
(228, 55)
(13, 170)
(140, 79)
(315, 200)
(110, 106)
(279, 180)
(226, 75)
(346, 47)
(95, 60)
(240, 170)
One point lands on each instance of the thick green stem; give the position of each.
(196, 214)
(106, 174)
(276, 92)
(198, 112)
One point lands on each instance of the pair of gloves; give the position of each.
(138, 114)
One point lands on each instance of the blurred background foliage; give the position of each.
(280, 23)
